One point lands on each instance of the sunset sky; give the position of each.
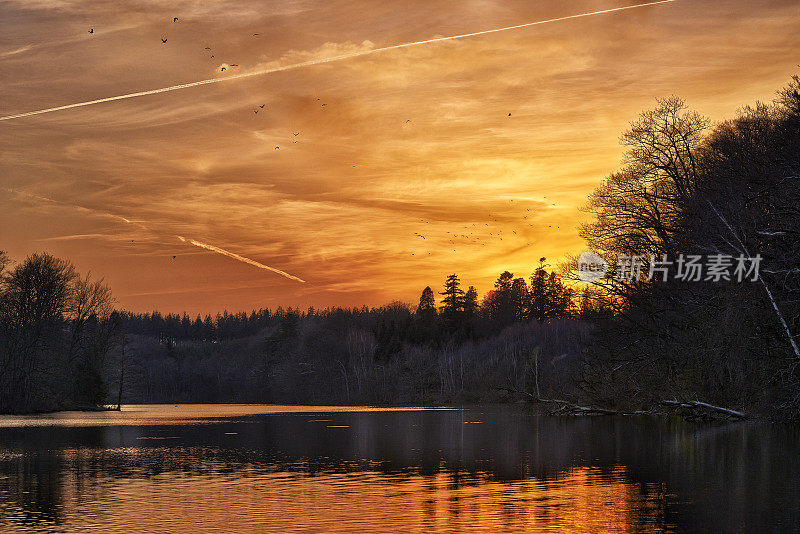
(410, 141)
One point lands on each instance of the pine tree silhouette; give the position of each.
(453, 301)
(427, 303)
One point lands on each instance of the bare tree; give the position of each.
(34, 299)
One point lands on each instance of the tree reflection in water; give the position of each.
(496, 469)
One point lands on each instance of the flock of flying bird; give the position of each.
(164, 40)
(473, 234)
(223, 68)
(454, 238)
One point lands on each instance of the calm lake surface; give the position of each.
(211, 468)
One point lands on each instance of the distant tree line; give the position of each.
(450, 347)
(63, 345)
(180, 327)
(458, 313)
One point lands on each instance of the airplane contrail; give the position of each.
(76, 206)
(323, 60)
(240, 258)
(206, 246)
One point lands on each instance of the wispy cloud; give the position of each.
(15, 51)
(73, 237)
(416, 140)
(366, 49)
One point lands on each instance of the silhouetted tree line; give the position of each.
(450, 348)
(512, 300)
(63, 346)
(459, 314)
(693, 188)
(56, 331)
(171, 328)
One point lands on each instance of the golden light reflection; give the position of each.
(582, 500)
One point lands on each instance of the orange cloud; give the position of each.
(416, 140)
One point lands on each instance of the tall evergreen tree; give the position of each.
(538, 301)
(559, 298)
(471, 301)
(427, 303)
(499, 302)
(453, 301)
(504, 282)
(519, 299)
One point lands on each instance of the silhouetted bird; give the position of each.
(295, 134)
(91, 30)
(207, 48)
(255, 111)
(173, 257)
(255, 34)
(262, 106)
(163, 40)
(174, 19)
(277, 148)
(223, 68)
(509, 114)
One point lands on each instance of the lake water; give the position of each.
(316, 469)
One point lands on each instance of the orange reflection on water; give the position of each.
(176, 414)
(253, 499)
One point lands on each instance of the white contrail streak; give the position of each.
(148, 229)
(240, 258)
(75, 206)
(323, 60)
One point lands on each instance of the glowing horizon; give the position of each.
(331, 174)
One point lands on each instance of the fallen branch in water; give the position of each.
(697, 408)
(567, 407)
